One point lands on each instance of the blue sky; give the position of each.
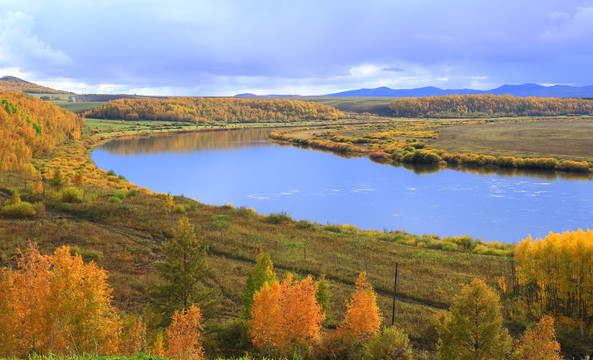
(225, 47)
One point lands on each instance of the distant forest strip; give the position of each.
(30, 127)
(214, 110)
(475, 106)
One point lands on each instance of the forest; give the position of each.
(475, 106)
(92, 265)
(30, 127)
(214, 110)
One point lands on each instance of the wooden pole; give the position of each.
(247, 240)
(221, 234)
(305, 253)
(336, 260)
(276, 245)
(394, 294)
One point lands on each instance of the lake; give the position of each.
(242, 168)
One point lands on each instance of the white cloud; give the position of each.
(578, 29)
(19, 47)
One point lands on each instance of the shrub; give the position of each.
(132, 193)
(390, 343)
(221, 220)
(179, 209)
(277, 219)
(72, 195)
(21, 210)
(114, 199)
(120, 194)
(304, 224)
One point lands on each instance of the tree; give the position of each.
(262, 273)
(286, 316)
(56, 304)
(182, 270)
(539, 343)
(57, 180)
(362, 317)
(184, 335)
(472, 329)
(323, 296)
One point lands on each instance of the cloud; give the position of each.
(575, 30)
(20, 48)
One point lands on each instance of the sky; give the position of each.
(306, 47)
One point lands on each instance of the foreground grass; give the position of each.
(122, 228)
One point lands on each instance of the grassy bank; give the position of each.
(122, 228)
(551, 144)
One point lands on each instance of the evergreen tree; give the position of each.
(472, 329)
(262, 273)
(182, 271)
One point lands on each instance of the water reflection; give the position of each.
(190, 142)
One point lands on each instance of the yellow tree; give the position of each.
(363, 318)
(286, 316)
(184, 335)
(472, 329)
(539, 343)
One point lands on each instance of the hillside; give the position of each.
(30, 127)
(14, 84)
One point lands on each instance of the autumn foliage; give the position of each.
(56, 304)
(554, 274)
(30, 127)
(209, 110)
(540, 342)
(363, 318)
(184, 335)
(286, 316)
(462, 106)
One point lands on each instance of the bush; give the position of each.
(72, 195)
(114, 199)
(179, 209)
(21, 210)
(221, 220)
(277, 219)
(390, 343)
(120, 194)
(304, 224)
(132, 193)
(338, 345)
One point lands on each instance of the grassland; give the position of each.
(358, 105)
(557, 138)
(125, 238)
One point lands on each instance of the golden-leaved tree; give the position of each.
(539, 343)
(56, 304)
(184, 335)
(472, 329)
(363, 317)
(286, 316)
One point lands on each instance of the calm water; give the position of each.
(242, 168)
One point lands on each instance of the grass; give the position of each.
(359, 105)
(79, 107)
(557, 138)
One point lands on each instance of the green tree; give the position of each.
(57, 181)
(472, 329)
(182, 271)
(262, 273)
(322, 296)
(390, 343)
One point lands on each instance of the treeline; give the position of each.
(554, 275)
(472, 106)
(214, 110)
(30, 127)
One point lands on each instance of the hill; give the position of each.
(14, 84)
(515, 90)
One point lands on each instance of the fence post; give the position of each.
(221, 233)
(276, 245)
(25, 184)
(83, 196)
(394, 294)
(126, 202)
(149, 212)
(432, 291)
(247, 240)
(335, 260)
(196, 226)
(305, 252)
(106, 197)
(366, 268)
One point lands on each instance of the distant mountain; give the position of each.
(14, 84)
(515, 90)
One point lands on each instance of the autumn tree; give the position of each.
(472, 329)
(132, 339)
(363, 317)
(184, 335)
(540, 342)
(262, 273)
(286, 316)
(390, 343)
(56, 304)
(57, 181)
(182, 270)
